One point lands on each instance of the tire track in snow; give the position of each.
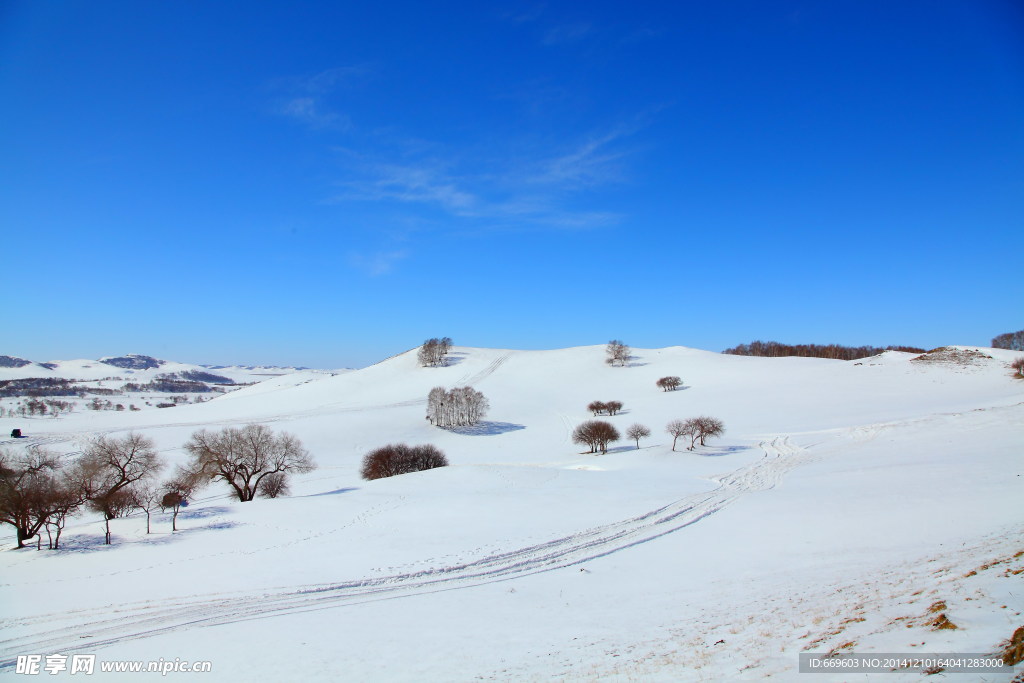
(95, 628)
(471, 380)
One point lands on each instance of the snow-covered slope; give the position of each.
(144, 369)
(844, 500)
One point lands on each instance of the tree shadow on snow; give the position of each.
(82, 543)
(719, 452)
(203, 513)
(486, 428)
(331, 493)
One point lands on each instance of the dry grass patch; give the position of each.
(942, 623)
(1013, 653)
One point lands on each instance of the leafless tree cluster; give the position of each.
(434, 351)
(1018, 365)
(456, 408)
(669, 383)
(1013, 341)
(36, 406)
(595, 433)
(398, 458)
(601, 407)
(774, 349)
(617, 353)
(113, 471)
(637, 432)
(115, 476)
(698, 429)
(36, 492)
(244, 457)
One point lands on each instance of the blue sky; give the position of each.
(326, 184)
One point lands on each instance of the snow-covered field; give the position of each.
(844, 502)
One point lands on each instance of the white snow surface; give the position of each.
(843, 502)
(85, 370)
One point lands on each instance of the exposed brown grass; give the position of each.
(1013, 653)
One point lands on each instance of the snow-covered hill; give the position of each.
(844, 501)
(131, 367)
(133, 382)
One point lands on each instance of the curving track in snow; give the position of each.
(94, 629)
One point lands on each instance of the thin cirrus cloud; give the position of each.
(310, 111)
(590, 163)
(305, 98)
(377, 263)
(565, 34)
(528, 192)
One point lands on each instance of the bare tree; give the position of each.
(434, 351)
(1009, 340)
(678, 428)
(111, 505)
(617, 353)
(597, 407)
(395, 459)
(613, 407)
(110, 467)
(595, 433)
(33, 490)
(274, 485)
(456, 408)
(176, 492)
(669, 383)
(637, 432)
(244, 456)
(146, 496)
(65, 499)
(708, 427)
(1018, 365)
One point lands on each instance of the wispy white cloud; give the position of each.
(310, 111)
(306, 98)
(409, 183)
(524, 16)
(592, 162)
(329, 79)
(377, 263)
(566, 33)
(512, 190)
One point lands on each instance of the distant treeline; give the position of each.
(1010, 340)
(38, 386)
(169, 386)
(771, 349)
